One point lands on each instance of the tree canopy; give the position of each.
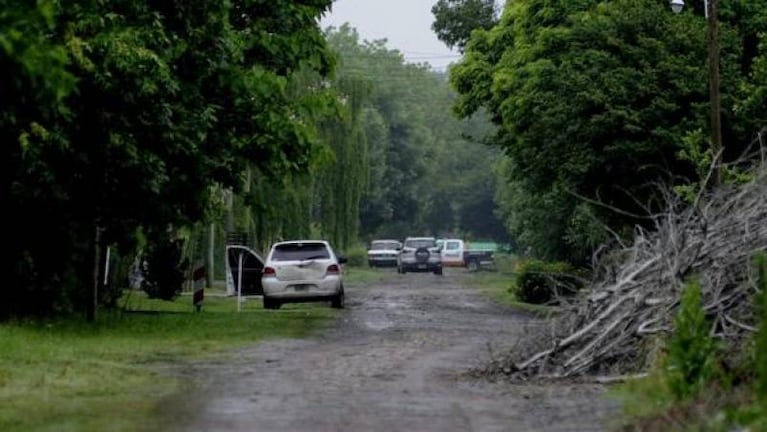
(119, 116)
(597, 102)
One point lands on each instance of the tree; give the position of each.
(170, 98)
(593, 101)
(454, 20)
(427, 169)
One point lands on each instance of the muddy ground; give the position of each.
(397, 360)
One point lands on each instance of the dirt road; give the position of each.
(396, 361)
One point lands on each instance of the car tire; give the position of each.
(438, 271)
(472, 265)
(338, 301)
(422, 255)
(270, 303)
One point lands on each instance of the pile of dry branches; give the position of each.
(608, 330)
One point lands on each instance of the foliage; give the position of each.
(593, 100)
(687, 387)
(163, 269)
(541, 282)
(64, 374)
(357, 256)
(123, 115)
(427, 171)
(454, 20)
(691, 362)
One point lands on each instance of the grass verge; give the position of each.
(498, 285)
(361, 275)
(67, 375)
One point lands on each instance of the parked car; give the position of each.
(419, 254)
(301, 271)
(383, 253)
(458, 253)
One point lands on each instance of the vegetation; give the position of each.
(122, 117)
(454, 20)
(500, 286)
(540, 282)
(688, 389)
(597, 102)
(64, 374)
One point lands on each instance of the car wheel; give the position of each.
(472, 265)
(270, 303)
(422, 255)
(438, 271)
(338, 300)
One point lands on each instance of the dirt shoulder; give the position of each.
(397, 360)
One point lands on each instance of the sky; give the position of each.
(406, 24)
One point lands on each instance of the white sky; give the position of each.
(405, 24)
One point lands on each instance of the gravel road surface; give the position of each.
(396, 360)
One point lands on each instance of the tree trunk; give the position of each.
(93, 293)
(210, 254)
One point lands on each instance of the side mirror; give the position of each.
(342, 259)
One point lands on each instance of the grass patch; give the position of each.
(498, 285)
(69, 375)
(361, 275)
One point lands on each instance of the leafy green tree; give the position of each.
(34, 83)
(593, 100)
(428, 172)
(454, 20)
(169, 99)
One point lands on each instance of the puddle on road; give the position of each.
(378, 324)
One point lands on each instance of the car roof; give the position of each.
(420, 238)
(286, 242)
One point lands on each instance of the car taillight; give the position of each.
(333, 269)
(269, 271)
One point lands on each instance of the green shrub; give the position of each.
(357, 256)
(164, 270)
(691, 360)
(541, 282)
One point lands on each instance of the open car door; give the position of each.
(243, 269)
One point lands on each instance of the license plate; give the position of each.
(421, 266)
(301, 287)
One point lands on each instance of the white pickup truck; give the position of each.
(458, 253)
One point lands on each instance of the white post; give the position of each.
(239, 282)
(106, 267)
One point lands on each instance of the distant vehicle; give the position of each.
(302, 271)
(419, 254)
(383, 253)
(458, 253)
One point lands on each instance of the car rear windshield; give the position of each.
(419, 243)
(300, 251)
(384, 245)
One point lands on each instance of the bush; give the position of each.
(357, 256)
(541, 282)
(164, 270)
(692, 360)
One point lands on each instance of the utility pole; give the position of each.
(713, 90)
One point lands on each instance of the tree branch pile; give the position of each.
(612, 328)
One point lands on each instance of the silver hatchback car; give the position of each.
(302, 271)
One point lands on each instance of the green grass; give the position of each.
(67, 375)
(497, 284)
(360, 275)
